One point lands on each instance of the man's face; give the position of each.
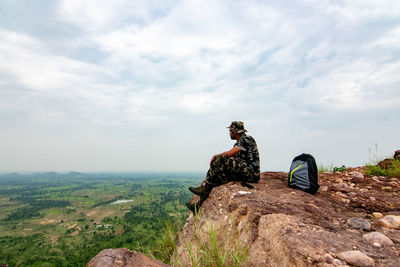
(232, 134)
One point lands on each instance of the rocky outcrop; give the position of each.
(274, 225)
(123, 257)
(354, 220)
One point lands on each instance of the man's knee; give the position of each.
(220, 161)
(219, 171)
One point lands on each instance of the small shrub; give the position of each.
(324, 168)
(375, 170)
(392, 171)
(339, 169)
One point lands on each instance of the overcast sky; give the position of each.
(142, 85)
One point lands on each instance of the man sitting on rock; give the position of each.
(241, 163)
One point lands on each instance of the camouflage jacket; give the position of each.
(249, 153)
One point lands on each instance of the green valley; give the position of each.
(52, 219)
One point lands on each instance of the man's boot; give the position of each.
(197, 190)
(202, 190)
(244, 184)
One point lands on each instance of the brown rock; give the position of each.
(339, 181)
(386, 188)
(377, 215)
(323, 188)
(357, 258)
(397, 155)
(280, 226)
(376, 244)
(356, 175)
(382, 223)
(351, 194)
(328, 258)
(123, 257)
(376, 237)
(285, 227)
(385, 164)
(359, 223)
(393, 220)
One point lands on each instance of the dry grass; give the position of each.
(212, 245)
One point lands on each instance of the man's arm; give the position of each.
(229, 154)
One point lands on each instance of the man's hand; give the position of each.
(213, 158)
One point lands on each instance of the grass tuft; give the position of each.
(166, 244)
(215, 250)
(330, 168)
(393, 170)
(325, 168)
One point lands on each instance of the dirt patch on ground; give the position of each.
(100, 214)
(71, 226)
(92, 213)
(76, 232)
(54, 239)
(48, 221)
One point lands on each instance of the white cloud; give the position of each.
(100, 15)
(144, 72)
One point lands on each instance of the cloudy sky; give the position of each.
(124, 85)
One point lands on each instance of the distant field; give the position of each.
(64, 220)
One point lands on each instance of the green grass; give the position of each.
(372, 168)
(324, 168)
(216, 252)
(339, 169)
(392, 171)
(330, 168)
(68, 236)
(166, 245)
(218, 248)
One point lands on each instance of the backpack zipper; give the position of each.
(291, 173)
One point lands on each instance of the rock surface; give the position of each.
(122, 257)
(377, 215)
(394, 221)
(281, 226)
(357, 258)
(357, 175)
(376, 237)
(359, 223)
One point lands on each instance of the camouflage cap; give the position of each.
(237, 127)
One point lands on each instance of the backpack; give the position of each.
(303, 174)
